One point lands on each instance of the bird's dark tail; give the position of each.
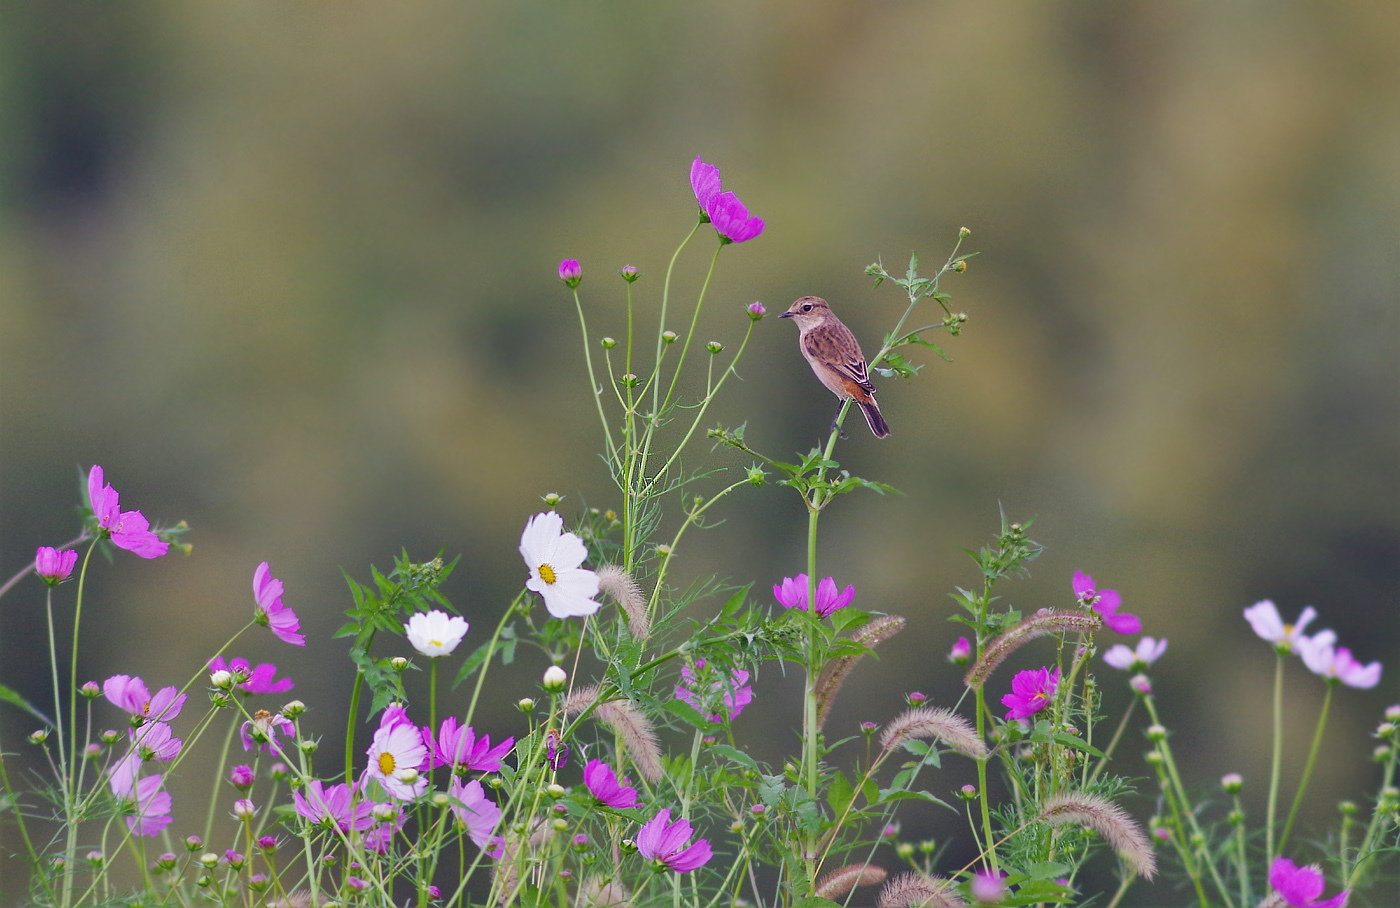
(877, 423)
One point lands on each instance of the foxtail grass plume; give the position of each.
(627, 722)
(839, 882)
(1050, 622)
(833, 675)
(623, 590)
(1110, 821)
(597, 892)
(934, 722)
(918, 890)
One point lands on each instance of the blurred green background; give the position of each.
(288, 272)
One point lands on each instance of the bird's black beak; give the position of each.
(786, 315)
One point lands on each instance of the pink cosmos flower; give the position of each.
(1336, 663)
(1106, 603)
(723, 209)
(262, 678)
(1031, 691)
(398, 758)
(961, 652)
(669, 843)
(147, 808)
(1301, 887)
(1264, 618)
(333, 807)
(479, 814)
(603, 784)
(267, 592)
(127, 529)
(792, 593)
(53, 566)
(733, 695)
(130, 694)
(154, 741)
(1147, 652)
(460, 748)
(570, 272)
(261, 731)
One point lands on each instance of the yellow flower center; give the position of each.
(386, 763)
(437, 643)
(547, 573)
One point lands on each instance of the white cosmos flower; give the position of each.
(553, 557)
(435, 633)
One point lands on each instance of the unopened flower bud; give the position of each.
(555, 790)
(1141, 684)
(398, 663)
(608, 342)
(1381, 754)
(165, 862)
(964, 232)
(1156, 733)
(496, 782)
(384, 812)
(915, 698)
(629, 273)
(757, 477)
(407, 776)
(241, 777)
(1162, 833)
(95, 858)
(441, 800)
(905, 850)
(663, 550)
(552, 498)
(92, 751)
(294, 709)
(1235, 817)
(193, 843)
(110, 736)
(554, 679)
(1232, 782)
(959, 266)
(243, 808)
(714, 346)
(221, 679)
(1153, 757)
(967, 792)
(39, 736)
(90, 690)
(628, 846)
(961, 653)
(309, 746)
(1348, 808)
(209, 859)
(525, 704)
(1393, 713)
(571, 273)
(756, 311)
(668, 336)
(559, 824)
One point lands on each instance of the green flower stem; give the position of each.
(665, 300)
(486, 663)
(24, 830)
(70, 847)
(1276, 763)
(690, 518)
(65, 781)
(1312, 761)
(1241, 855)
(1113, 744)
(1380, 821)
(218, 778)
(594, 388)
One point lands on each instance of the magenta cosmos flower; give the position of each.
(1337, 664)
(479, 814)
(333, 807)
(130, 694)
(723, 209)
(1301, 887)
(1106, 603)
(127, 529)
(53, 566)
(260, 679)
(792, 593)
(459, 747)
(1263, 616)
(668, 843)
(271, 613)
(603, 784)
(730, 695)
(1031, 691)
(147, 808)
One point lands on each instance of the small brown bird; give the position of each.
(834, 355)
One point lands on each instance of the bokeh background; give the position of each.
(288, 272)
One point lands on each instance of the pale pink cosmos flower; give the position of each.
(260, 679)
(1147, 651)
(669, 843)
(267, 592)
(333, 807)
(147, 808)
(127, 529)
(398, 759)
(479, 814)
(1301, 887)
(1264, 618)
(261, 731)
(53, 566)
(1337, 663)
(1105, 602)
(130, 694)
(154, 741)
(1031, 691)
(792, 594)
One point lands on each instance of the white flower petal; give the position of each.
(571, 594)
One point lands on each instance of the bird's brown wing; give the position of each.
(836, 346)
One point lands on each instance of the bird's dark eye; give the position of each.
(807, 308)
